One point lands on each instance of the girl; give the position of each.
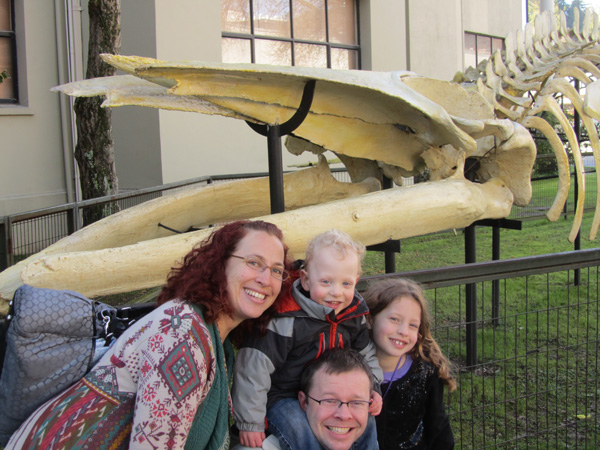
(415, 370)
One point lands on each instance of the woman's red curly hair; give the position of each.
(201, 277)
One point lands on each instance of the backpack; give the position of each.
(52, 338)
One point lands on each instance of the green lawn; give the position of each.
(537, 237)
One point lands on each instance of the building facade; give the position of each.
(44, 44)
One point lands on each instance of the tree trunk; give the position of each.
(94, 151)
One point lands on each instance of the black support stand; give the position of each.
(276, 190)
(471, 293)
(577, 243)
(391, 246)
(274, 134)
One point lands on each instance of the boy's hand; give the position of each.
(375, 407)
(252, 438)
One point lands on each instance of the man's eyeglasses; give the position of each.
(257, 264)
(334, 403)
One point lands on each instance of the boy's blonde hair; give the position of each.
(381, 294)
(340, 241)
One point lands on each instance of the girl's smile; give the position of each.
(396, 331)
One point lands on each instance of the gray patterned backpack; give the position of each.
(52, 340)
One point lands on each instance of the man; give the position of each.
(335, 394)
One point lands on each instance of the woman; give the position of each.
(165, 383)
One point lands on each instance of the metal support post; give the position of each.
(390, 254)
(274, 134)
(577, 243)
(495, 283)
(471, 298)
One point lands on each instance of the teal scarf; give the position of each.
(210, 429)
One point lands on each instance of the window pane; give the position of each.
(308, 55)
(497, 44)
(5, 15)
(272, 17)
(470, 50)
(235, 16)
(309, 20)
(484, 48)
(6, 63)
(273, 52)
(236, 50)
(342, 22)
(344, 59)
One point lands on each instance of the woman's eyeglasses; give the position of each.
(277, 272)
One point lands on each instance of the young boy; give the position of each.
(323, 311)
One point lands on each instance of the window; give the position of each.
(309, 33)
(8, 63)
(479, 47)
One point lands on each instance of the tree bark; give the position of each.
(94, 151)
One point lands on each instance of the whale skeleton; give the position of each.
(391, 124)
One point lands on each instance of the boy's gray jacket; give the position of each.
(268, 368)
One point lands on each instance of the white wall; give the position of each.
(492, 17)
(194, 144)
(436, 42)
(136, 131)
(153, 146)
(383, 35)
(32, 171)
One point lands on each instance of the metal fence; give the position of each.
(545, 189)
(532, 380)
(535, 380)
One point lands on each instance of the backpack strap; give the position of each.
(3, 331)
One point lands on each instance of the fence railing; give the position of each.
(536, 379)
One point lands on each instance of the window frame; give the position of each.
(252, 36)
(476, 36)
(12, 35)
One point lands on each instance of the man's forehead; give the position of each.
(354, 381)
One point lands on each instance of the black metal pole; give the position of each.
(495, 283)
(389, 255)
(471, 297)
(274, 134)
(4, 233)
(275, 169)
(577, 243)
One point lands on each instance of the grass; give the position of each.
(537, 237)
(535, 384)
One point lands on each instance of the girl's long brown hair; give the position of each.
(381, 294)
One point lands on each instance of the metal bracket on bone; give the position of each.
(274, 134)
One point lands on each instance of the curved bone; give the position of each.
(194, 208)
(591, 104)
(372, 218)
(387, 123)
(513, 156)
(574, 72)
(378, 111)
(547, 103)
(561, 86)
(562, 159)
